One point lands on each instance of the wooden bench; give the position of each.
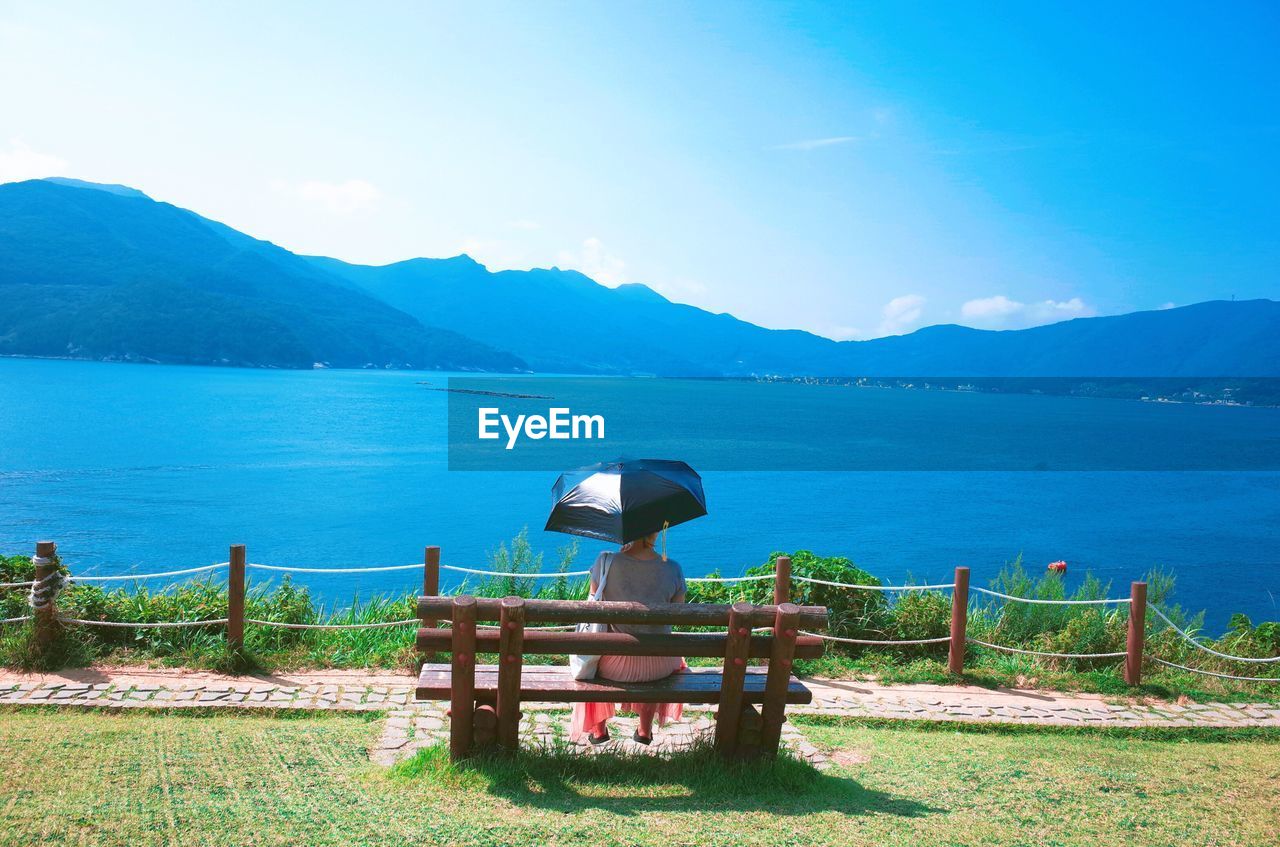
(485, 699)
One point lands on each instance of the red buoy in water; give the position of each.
(1060, 566)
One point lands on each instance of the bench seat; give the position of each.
(552, 683)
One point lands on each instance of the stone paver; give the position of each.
(381, 692)
(970, 703)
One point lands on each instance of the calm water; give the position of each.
(150, 468)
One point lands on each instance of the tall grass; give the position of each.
(520, 558)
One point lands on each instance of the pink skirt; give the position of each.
(586, 716)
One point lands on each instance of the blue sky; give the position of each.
(852, 169)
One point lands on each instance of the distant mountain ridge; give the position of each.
(562, 321)
(567, 323)
(1218, 338)
(103, 271)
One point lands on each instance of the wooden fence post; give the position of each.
(46, 616)
(235, 598)
(462, 690)
(431, 582)
(732, 679)
(431, 573)
(1137, 633)
(782, 581)
(959, 621)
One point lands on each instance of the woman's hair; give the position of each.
(648, 542)
(643, 542)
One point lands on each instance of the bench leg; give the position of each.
(774, 711)
(729, 713)
(749, 726)
(462, 691)
(510, 662)
(484, 727)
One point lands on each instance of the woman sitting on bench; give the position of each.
(637, 574)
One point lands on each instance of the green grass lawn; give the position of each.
(139, 778)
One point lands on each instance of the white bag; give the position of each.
(584, 667)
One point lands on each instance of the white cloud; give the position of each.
(20, 162)
(991, 308)
(350, 197)
(815, 143)
(1001, 312)
(1170, 305)
(594, 260)
(901, 314)
(877, 119)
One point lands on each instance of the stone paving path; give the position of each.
(410, 725)
(380, 691)
(1025, 706)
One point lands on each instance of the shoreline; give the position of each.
(863, 382)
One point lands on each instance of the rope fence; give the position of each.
(517, 575)
(379, 625)
(1038, 602)
(1186, 636)
(938, 587)
(292, 569)
(1005, 649)
(1215, 673)
(50, 579)
(44, 588)
(868, 641)
(151, 625)
(557, 575)
(130, 576)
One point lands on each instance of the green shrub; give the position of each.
(919, 615)
(13, 601)
(16, 569)
(1088, 631)
(854, 613)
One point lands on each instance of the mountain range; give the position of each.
(105, 272)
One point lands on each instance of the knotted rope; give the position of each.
(44, 591)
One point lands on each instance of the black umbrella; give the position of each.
(625, 500)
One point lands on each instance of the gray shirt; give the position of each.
(640, 581)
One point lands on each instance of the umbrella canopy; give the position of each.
(625, 500)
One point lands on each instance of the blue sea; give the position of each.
(147, 468)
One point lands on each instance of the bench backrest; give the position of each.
(533, 612)
(609, 611)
